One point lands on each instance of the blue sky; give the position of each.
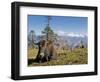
(62, 25)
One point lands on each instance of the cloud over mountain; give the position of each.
(72, 34)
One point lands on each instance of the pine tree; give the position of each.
(49, 34)
(31, 37)
(81, 44)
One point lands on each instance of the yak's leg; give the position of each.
(46, 58)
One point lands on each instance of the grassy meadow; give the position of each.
(64, 57)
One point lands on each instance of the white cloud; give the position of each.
(75, 35)
(62, 33)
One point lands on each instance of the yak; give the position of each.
(46, 51)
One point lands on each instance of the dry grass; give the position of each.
(64, 57)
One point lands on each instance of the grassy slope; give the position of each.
(64, 57)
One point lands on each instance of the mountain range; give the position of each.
(72, 41)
